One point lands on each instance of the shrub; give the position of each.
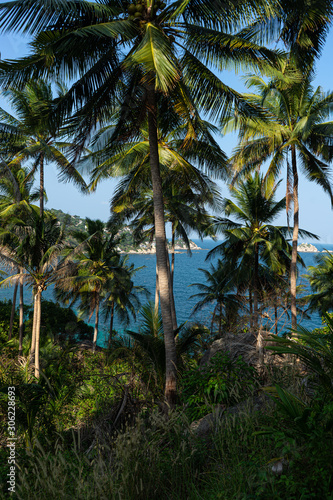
(222, 381)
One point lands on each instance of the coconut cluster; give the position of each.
(138, 10)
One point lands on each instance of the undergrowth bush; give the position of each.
(222, 381)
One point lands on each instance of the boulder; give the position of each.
(242, 344)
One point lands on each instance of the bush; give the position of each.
(222, 381)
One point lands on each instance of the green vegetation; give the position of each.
(167, 411)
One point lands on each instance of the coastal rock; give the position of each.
(242, 344)
(209, 424)
(307, 247)
(150, 248)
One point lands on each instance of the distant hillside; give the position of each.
(76, 223)
(72, 222)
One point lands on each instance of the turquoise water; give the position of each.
(186, 273)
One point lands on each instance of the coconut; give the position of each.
(131, 8)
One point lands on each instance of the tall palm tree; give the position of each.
(94, 264)
(187, 194)
(121, 297)
(320, 278)
(161, 52)
(296, 134)
(16, 197)
(303, 30)
(254, 245)
(219, 289)
(33, 135)
(40, 240)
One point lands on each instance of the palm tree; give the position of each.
(34, 135)
(254, 246)
(320, 278)
(147, 346)
(40, 240)
(187, 194)
(295, 134)
(122, 296)
(94, 265)
(304, 27)
(159, 53)
(16, 197)
(220, 290)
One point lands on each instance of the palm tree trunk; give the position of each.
(21, 313)
(157, 292)
(213, 319)
(161, 254)
(111, 322)
(12, 314)
(172, 299)
(251, 308)
(293, 265)
(276, 318)
(96, 324)
(37, 334)
(255, 288)
(41, 186)
(260, 347)
(220, 321)
(172, 254)
(33, 337)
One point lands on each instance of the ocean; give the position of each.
(186, 273)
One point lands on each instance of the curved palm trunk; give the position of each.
(33, 337)
(96, 324)
(172, 300)
(111, 322)
(41, 186)
(37, 333)
(161, 254)
(293, 265)
(21, 314)
(220, 320)
(172, 273)
(157, 292)
(172, 253)
(12, 314)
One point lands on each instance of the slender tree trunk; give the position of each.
(161, 254)
(33, 337)
(172, 254)
(41, 187)
(12, 314)
(21, 313)
(276, 319)
(293, 265)
(213, 319)
(172, 299)
(251, 308)
(220, 321)
(255, 289)
(96, 324)
(260, 347)
(157, 292)
(111, 322)
(37, 334)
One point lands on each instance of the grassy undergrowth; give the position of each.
(93, 427)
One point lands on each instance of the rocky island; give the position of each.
(307, 247)
(127, 244)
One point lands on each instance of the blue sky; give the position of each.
(316, 213)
